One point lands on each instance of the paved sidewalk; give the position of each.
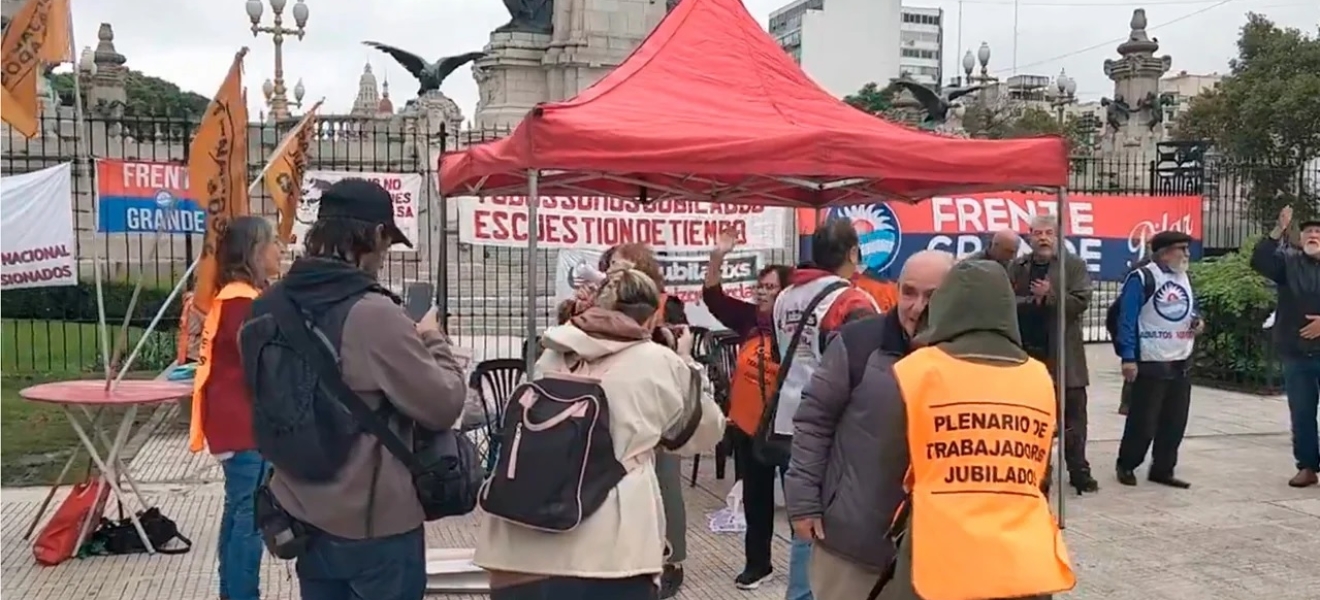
(1239, 534)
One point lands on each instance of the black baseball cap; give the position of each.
(362, 200)
(1165, 239)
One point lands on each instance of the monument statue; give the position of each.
(529, 16)
(935, 104)
(429, 75)
(1117, 111)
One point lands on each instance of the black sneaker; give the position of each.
(670, 580)
(1084, 483)
(751, 579)
(1126, 476)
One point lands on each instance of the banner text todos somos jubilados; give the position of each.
(585, 222)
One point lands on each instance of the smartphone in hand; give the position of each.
(419, 297)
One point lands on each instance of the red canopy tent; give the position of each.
(710, 108)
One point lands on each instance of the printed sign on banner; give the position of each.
(684, 278)
(1108, 232)
(145, 197)
(405, 188)
(36, 229)
(598, 223)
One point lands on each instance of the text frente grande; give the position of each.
(962, 453)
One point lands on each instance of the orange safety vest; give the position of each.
(196, 436)
(884, 293)
(754, 375)
(979, 437)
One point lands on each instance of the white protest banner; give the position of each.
(596, 223)
(684, 278)
(405, 188)
(37, 241)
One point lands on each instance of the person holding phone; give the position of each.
(1157, 328)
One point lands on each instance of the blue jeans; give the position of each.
(799, 560)
(1301, 381)
(389, 568)
(240, 546)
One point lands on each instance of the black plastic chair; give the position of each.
(495, 380)
(719, 353)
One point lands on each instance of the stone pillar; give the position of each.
(510, 78)
(592, 37)
(1134, 116)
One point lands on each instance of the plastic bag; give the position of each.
(730, 519)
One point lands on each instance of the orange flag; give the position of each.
(217, 173)
(284, 174)
(38, 35)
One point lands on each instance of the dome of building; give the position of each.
(386, 106)
(368, 96)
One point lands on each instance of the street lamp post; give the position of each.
(275, 92)
(1067, 88)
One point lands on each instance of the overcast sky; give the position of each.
(191, 42)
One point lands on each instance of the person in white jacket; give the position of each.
(618, 552)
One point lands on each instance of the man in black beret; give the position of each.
(1157, 327)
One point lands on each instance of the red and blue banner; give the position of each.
(145, 197)
(1108, 232)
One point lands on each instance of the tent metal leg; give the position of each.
(533, 276)
(1061, 354)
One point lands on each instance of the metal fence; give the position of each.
(482, 289)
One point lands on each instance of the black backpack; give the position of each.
(306, 435)
(557, 465)
(445, 465)
(1111, 313)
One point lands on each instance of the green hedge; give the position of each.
(1234, 351)
(78, 304)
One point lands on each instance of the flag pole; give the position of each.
(82, 157)
(178, 286)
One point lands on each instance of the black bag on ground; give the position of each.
(121, 537)
(445, 465)
(772, 448)
(556, 464)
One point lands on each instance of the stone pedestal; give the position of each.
(510, 79)
(436, 109)
(592, 37)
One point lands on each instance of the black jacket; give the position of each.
(1298, 279)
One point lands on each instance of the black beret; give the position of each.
(1164, 239)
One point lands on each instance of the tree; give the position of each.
(1265, 115)
(872, 99)
(1007, 120)
(147, 96)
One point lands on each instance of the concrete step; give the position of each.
(450, 571)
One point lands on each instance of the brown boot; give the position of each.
(1304, 478)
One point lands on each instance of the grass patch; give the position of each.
(30, 346)
(35, 438)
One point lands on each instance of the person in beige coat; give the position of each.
(618, 552)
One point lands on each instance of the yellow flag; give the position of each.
(38, 35)
(284, 174)
(217, 173)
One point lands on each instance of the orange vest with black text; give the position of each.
(754, 376)
(196, 433)
(979, 436)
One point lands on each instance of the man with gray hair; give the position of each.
(1033, 277)
(1003, 248)
(849, 443)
